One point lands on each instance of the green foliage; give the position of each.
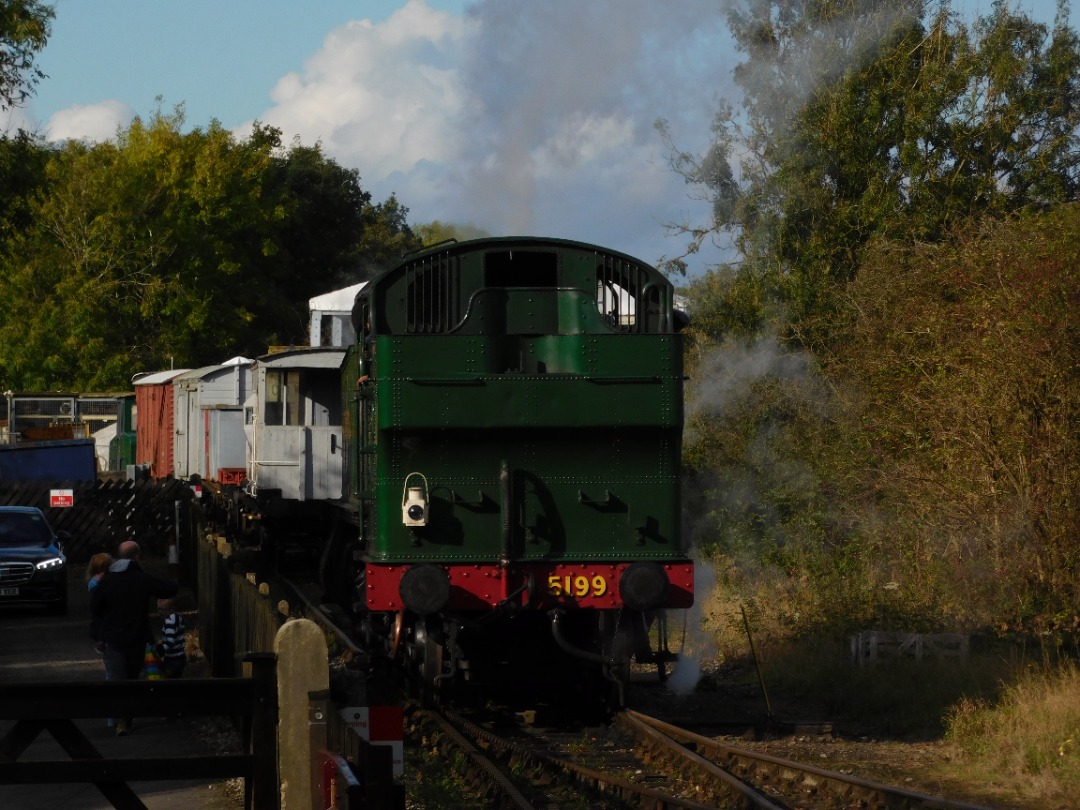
(172, 248)
(863, 119)
(328, 226)
(435, 780)
(22, 168)
(431, 233)
(918, 471)
(25, 26)
(726, 302)
(882, 414)
(967, 355)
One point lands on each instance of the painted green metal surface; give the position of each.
(451, 381)
(543, 411)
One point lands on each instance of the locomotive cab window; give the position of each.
(521, 268)
(616, 304)
(628, 300)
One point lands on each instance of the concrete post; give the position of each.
(302, 668)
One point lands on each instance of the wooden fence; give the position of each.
(871, 646)
(106, 512)
(54, 707)
(240, 615)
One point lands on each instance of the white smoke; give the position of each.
(698, 646)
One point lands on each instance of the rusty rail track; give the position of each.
(520, 772)
(543, 775)
(796, 783)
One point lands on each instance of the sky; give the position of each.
(514, 116)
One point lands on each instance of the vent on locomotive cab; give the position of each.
(433, 295)
(521, 268)
(626, 298)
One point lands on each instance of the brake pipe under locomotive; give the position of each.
(512, 420)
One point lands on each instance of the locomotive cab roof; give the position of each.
(517, 284)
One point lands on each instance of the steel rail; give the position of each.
(495, 776)
(765, 767)
(740, 791)
(606, 783)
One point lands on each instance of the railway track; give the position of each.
(790, 783)
(640, 761)
(635, 761)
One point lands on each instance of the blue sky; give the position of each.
(516, 116)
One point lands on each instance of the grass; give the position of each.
(1012, 726)
(434, 781)
(1028, 742)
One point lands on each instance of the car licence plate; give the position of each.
(9, 591)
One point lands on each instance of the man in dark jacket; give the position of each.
(121, 604)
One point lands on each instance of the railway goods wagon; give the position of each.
(208, 419)
(513, 417)
(155, 426)
(293, 425)
(287, 496)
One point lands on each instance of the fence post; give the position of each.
(302, 669)
(264, 741)
(318, 709)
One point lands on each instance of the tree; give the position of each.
(880, 425)
(25, 26)
(863, 118)
(22, 176)
(323, 216)
(966, 354)
(431, 233)
(179, 248)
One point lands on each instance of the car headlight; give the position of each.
(52, 562)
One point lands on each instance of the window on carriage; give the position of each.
(282, 400)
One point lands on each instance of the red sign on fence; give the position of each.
(61, 497)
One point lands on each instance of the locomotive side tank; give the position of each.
(514, 416)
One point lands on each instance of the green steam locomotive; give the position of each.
(512, 413)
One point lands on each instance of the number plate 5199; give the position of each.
(577, 586)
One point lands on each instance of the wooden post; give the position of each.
(318, 710)
(263, 792)
(302, 669)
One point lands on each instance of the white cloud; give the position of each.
(381, 97)
(91, 122)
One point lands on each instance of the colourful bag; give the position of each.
(151, 670)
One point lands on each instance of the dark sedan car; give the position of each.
(33, 569)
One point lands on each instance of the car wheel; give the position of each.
(59, 608)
